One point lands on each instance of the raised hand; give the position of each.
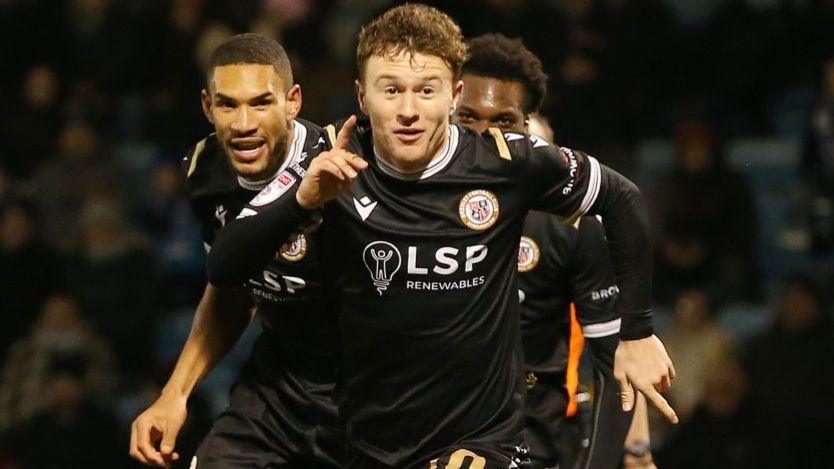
(331, 172)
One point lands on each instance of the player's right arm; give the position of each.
(247, 243)
(222, 316)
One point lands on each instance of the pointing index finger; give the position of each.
(660, 403)
(343, 138)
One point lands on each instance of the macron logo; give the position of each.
(220, 214)
(364, 206)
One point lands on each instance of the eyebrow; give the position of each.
(384, 77)
(268, 94)
(499, 115)
(395, 77)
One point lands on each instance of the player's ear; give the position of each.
(457, 90)
(205, 99)
(293, 99)
(360, 95)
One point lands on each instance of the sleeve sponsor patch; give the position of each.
(275, 189)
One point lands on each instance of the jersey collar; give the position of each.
(436, 164)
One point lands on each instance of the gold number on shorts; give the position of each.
(457, 458)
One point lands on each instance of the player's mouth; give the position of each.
(408, 136)
(249, 149)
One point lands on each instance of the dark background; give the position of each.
(722, 110)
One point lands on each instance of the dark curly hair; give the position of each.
(497, 56)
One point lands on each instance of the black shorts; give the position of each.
(277, 417)
(552, 437)
(463, 456)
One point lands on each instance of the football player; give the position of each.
(566, 281)
(281, 413)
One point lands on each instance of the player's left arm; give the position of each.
(594, 292)
(572, 184)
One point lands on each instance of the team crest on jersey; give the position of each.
(478, 209)
(528, 254)
(275, 189)
(295, 250)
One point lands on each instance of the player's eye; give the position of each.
(505, 121)
(390, 90)
(263, 103)
(427, 91)
(465, 118)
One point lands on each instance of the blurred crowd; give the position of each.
(101, 263)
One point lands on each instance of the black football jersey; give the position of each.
(558, 265)
(423, 267)
(287, 290)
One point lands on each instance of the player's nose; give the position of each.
(407, 113)
(244, 122)
(479, 126)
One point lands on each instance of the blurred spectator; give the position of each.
(742, 39)
(5, 186)
(65, 182)
(277, 16)
(110, 271)
(577, 95)
(180, 255)
(72, 430)
(819, 37)
(706, 224)
(61, 341)
(818, 163)
(29, 133)
(176, 119)
(99, 42)
(693, 13)
(724, 430)
(789, 379)
(697, 345)
(29, 271)
(640, 36)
